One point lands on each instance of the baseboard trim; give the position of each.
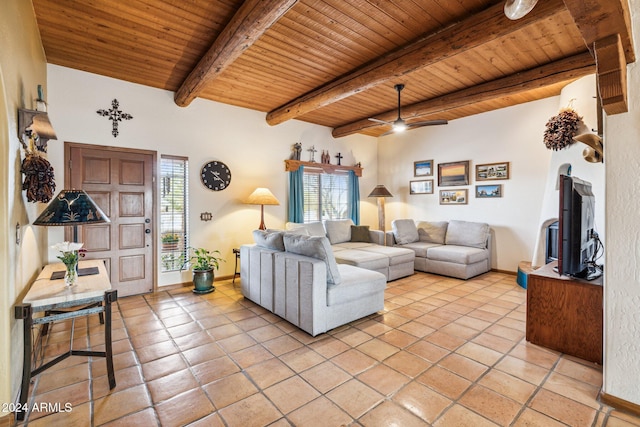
(620, 404)
(496, 270)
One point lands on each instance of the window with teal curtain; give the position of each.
(330, 196)
(296, 195)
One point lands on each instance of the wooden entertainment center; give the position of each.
(565, 313)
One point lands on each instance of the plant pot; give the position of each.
(169, 246)
(203, 281)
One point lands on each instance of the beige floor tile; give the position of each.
(422, 401)
(459, 416)
(291, 394)
(203, 353)
(125, 378)
(265, 333)
(463, 366)
(184, 408)
(444, 382)
(302, 359)
(56, 379)
(229, 390)
(63, 399)
(254, 410)
(563, 409)
(214, 369)
(329, 346)
(156, 351)
(588, 374)
(378, 349)
(534, 354)
(531, 418)
(479, 353)
(353, 336)
(269, 372)
(573, 389)
(78, 416)
(390, 414)
(116, 405)
(319, 412)
(355, 398)
(354, 361)
(168, 386)
(621, 419)
(325, 376)
(384, 379)
(187, 342)
(441, 339)
(282, 344)
(236, 343)
(508, 385)
(146, 417)
(494, 342)
(163, 366)
(429, 352)
(407, 363)
(491, 405)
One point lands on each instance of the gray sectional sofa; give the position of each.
(296, 277)
(361, 247)
(460, 249)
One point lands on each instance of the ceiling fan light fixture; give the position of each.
(399, 126)
(516, 9)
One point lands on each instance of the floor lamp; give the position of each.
(262, 196)
(380, 192)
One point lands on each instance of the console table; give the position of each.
(91, 295)
(565, 313)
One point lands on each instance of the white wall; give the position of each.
(579, 95)
(622, 251)
(204, 131)
(508, 135)
(22, 68)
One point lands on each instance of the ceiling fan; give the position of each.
(399, 125)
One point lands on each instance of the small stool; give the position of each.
(235, 269)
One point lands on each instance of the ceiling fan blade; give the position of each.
(380, 121)
(389, 132)
(427, 123)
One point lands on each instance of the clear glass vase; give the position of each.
(71, 274)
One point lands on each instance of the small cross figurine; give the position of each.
(339, 157)
(115, 115)
(312, 150)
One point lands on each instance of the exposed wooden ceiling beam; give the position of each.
(606, 29)
(566, 69)
(612, 74)
(597, 19)
(249, 23)
(463, 36)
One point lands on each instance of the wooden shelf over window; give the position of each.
(293, 165)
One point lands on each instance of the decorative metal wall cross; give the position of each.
(339, 156)
(115, 115)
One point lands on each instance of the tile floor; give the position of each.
(444, 352)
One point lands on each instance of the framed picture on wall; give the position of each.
(488, 191)
(453, 197)
(453, 174)
(423, 168)
(491, 171)
(421, 186)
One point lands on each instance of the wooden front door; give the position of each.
(120, 181)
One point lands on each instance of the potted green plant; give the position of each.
(203, 263)
(170, 241)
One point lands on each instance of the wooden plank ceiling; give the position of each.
(335, 62)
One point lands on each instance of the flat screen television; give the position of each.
(577, 239)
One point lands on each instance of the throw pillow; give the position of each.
(338, 230)
(360, 233)
(432, 231)
(312, 228)
(315, 247)
(404, 231)
(464, 233)
(269, 239)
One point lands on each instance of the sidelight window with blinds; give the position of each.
(174, 225)
(326, 196)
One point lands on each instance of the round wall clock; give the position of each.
(215, 175)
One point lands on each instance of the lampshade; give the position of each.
(262, 196)
(380, 191)
(516, 9)
(71, 207)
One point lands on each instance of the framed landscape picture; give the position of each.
(423, 168)
(453, 174)
(453, 197)
(491, 171)
(488, 191)
(422, 186)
